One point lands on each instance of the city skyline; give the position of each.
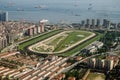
(63, 10)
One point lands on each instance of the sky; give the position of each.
(97, 4)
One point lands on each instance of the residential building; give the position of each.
(97, 63)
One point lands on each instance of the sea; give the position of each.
(64, 11)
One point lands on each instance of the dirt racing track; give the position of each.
(61, 42)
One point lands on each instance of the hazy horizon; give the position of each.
(111, 5)
(61, 10)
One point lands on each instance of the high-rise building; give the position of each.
(35, 30)
(38, 29)
(101, 63)
(91, 62)
(11, 36)
(115, 25)
(3, 16)
(93, 23)
(98, 22)
(118, 25)
(82, 23)
(3, 42)
(88, 23)
(108, 64)
(30, 31)
(106, 23)
(42, 25)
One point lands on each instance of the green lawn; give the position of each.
(96, 76)
(54, 42)
(34, 40)
(71, 39)
(81, 46)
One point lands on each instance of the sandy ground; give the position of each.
(98, 77)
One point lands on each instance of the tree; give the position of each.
(6, 77)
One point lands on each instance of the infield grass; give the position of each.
(72, 38)
(81, 46)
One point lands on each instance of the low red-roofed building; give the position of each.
(78, 58)
(71, 78)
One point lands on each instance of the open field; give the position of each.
(96, 76)
(34, 40)
(61, 42)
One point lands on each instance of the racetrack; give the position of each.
(50, 45)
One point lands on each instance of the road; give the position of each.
(85, 59)
(76, 63)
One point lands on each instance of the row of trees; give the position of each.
(109, 39)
